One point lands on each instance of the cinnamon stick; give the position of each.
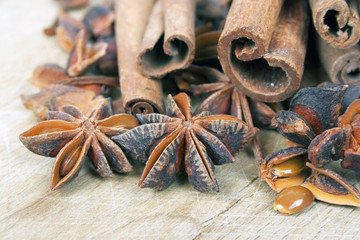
(139, 94)
(262, 52)
(337, 21)
(168, 42)
(342, 65)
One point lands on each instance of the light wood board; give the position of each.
(94, 208)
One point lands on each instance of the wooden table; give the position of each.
(97, 208)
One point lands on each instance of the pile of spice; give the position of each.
(244, 60)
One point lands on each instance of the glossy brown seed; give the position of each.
(289, 168)
(284, 168)
(282, 183)
(293, 199)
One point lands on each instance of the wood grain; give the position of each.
(94, 208)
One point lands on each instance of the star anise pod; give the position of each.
(312, 111)
(222, 97)
(168, 144)
(84, 54)
(312, 123)
(49, 74)
(71, 136)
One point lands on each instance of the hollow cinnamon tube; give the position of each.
(337, 21)
(169, 39)
(342, 65)
(263, 56)
(139, 93)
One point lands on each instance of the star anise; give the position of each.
(222, 97)
(71, 136)
(84, 54)
(168, 144)
(314, 123)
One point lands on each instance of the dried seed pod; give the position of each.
(351, 161)
(55, 97)
(284, 168)
(352, 94)
(47, 74)
(108, 63)
(179, 141)
(70, 135)
(328, 186)
(83, 55)
(283, 183)
(262, 113)
(351, 115)
(51, 30)
(99, 20)
(320, 107)
(293, 199)
(67, 30)
(206, 46)
(328, 146)
(293, 127)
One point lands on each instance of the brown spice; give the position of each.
(57, 96)
(328, 186)
(71, 136)
(342, 65)
(169, 143)
(140, 94)
(48, 74)
(223, 98)
(337, 21)
(67, 30)
(169, 39)
(99, 19)
(84, 55)
(262, 50)
(293, 199)
(108, 64)
(290, 160)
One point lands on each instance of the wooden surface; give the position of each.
(116, 208)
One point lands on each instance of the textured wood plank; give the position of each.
(116, 208)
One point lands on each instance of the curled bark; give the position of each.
(337, 21)
(140, 94)
(342, 65)
(169, 39)
(263, 52)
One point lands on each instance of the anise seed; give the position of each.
(293, 199)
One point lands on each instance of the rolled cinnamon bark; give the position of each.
(263, 53)
(342, 65)
(337, 21)
(169, 40)
(139, 93)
